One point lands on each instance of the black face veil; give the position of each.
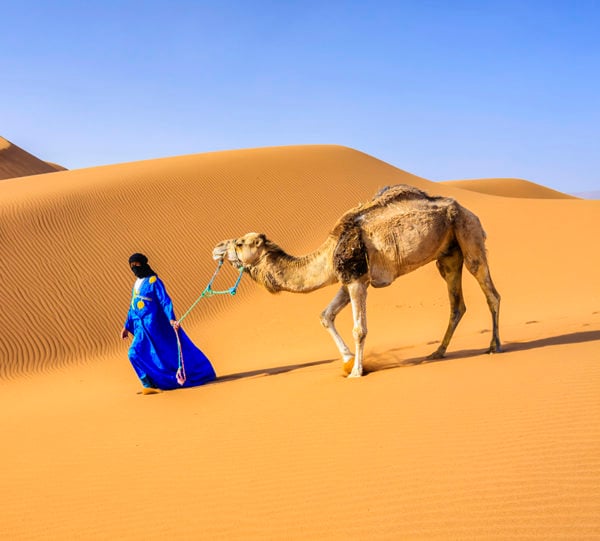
(143, 270)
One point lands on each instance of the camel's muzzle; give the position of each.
(234, 259)
(219, 252)
(227, 248)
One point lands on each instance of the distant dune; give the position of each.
(594, 194)
(508, 187)
(282, 446)
(16, 162)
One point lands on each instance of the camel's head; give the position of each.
(242, 252)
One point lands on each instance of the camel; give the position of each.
(401, 229)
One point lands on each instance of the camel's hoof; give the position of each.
(354, 374)
(435, 355)
(348, 365)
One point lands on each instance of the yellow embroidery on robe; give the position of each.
(152, 280)
(140, 304)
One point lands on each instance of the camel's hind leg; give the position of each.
(481, 271)
(471, 237)
(339, 302)
(450, 267)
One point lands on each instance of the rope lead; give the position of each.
(208, 292)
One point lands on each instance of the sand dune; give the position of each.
(509, 187)
(282, 446)
(16, 162)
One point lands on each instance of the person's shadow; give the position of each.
(273, 371)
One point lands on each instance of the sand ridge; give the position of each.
(282, 446)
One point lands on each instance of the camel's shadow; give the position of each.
(390, 359)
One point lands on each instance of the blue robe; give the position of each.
(154, 353)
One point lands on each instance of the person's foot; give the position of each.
(150, 390)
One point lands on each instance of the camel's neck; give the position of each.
(279, 271)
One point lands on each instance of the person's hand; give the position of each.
(124, 333)
(175, 324)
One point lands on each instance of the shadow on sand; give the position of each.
(386, 360)
(273, 371)
(389, 359)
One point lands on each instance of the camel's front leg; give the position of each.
(339, 302)
(358, 298)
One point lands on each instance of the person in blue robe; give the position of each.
(154, 352)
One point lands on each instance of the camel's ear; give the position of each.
(259, 240)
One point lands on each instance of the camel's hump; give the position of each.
(395, 192)
(386, 196)
(392, 194)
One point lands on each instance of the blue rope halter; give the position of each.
(209, 291)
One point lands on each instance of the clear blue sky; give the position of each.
(443, 89)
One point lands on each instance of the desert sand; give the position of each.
(282, 445)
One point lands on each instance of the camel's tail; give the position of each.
(470, 236)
